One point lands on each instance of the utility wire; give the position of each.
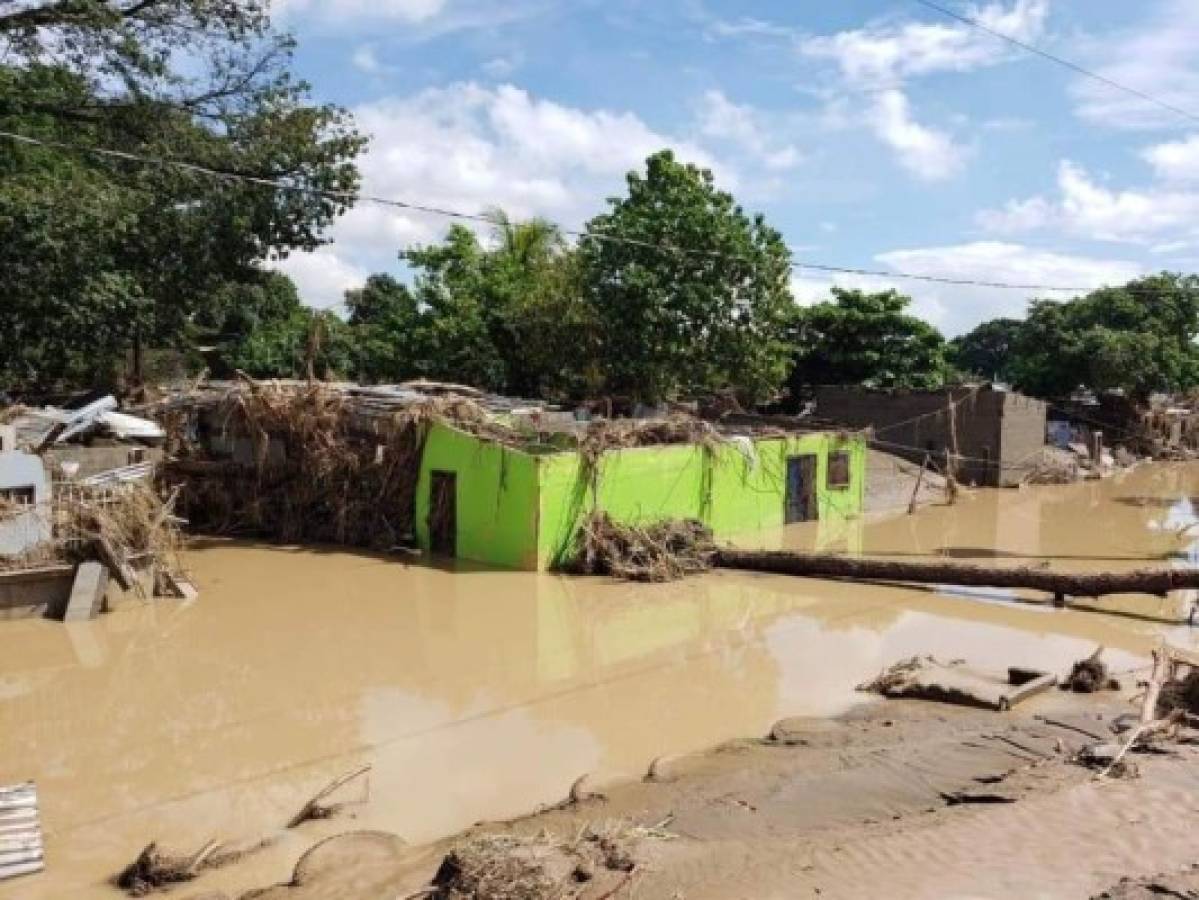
(351, 197)
(1074, 67)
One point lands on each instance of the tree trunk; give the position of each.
(1061, 584)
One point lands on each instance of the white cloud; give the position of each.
(465, 147)
(1175, 160)
(927, 153)
(322, 276)
(876, 61)
(956, 309)
(747, 27)
(746, 128)
(411, 21)
(365, 59)
(503, 66)
(411, 11)
(880, 55)
(1088, 209)
(1156, 57)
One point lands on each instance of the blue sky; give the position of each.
(874, 134)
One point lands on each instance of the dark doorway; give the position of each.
(801, 489)
(443, 513)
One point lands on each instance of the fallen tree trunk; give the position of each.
(1061, 584)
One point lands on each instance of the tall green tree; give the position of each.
(987, 350)
(868, 339)
(498, 314)
(391, 331)
(689, 294)
(1139, 338)
(103, 255)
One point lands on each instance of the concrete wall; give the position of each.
(523, 511)
(496, 507)
(97, 459)
(22, 531)
(731, 491)
(1024, 425)
(995, 429)
(35, 593)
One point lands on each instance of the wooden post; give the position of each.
(919, 480)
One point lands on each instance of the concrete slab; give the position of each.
(87, 594)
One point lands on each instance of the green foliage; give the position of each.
(104, 254)
(869, 339)
(302, 343)
(1139, 338)
(709, 315)
(497, 317)
(987, 351)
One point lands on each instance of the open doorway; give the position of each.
(801, 504)
(443, 513)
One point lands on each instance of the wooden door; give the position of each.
(801, 503)
(443, 513)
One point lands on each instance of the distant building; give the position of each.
(997, 431)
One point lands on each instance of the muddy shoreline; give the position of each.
(898, 799)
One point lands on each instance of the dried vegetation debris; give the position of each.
(661, 551)
(326, 467)
(598, 862)
(114, 524)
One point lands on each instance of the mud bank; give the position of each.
(906, 799)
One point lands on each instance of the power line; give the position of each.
(1074, 67)
(351, 197)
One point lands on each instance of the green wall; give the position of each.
(722, 487)
(522, 510)
(496, 502)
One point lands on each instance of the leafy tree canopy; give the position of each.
(869, 339)
(987, 350)
(1139, 338)
(102, 254)
(689, 294)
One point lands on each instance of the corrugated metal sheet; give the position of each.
(21, 850)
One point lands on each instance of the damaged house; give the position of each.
(78, 504)
(997, 432)
(480, 477)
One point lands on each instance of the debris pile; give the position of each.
(925, 678)
(1052, 465)
(305, 462)
(598, 863)
(1089, 675)
(662, 551)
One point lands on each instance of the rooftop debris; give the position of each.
(39, 428)
(662, 551)
(316, 463)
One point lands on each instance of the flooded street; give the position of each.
(481, 694)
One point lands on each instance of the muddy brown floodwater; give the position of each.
(481, 694)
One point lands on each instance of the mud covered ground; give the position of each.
(896, 799)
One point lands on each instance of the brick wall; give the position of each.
(993, 427)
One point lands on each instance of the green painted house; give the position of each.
(484, 501)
